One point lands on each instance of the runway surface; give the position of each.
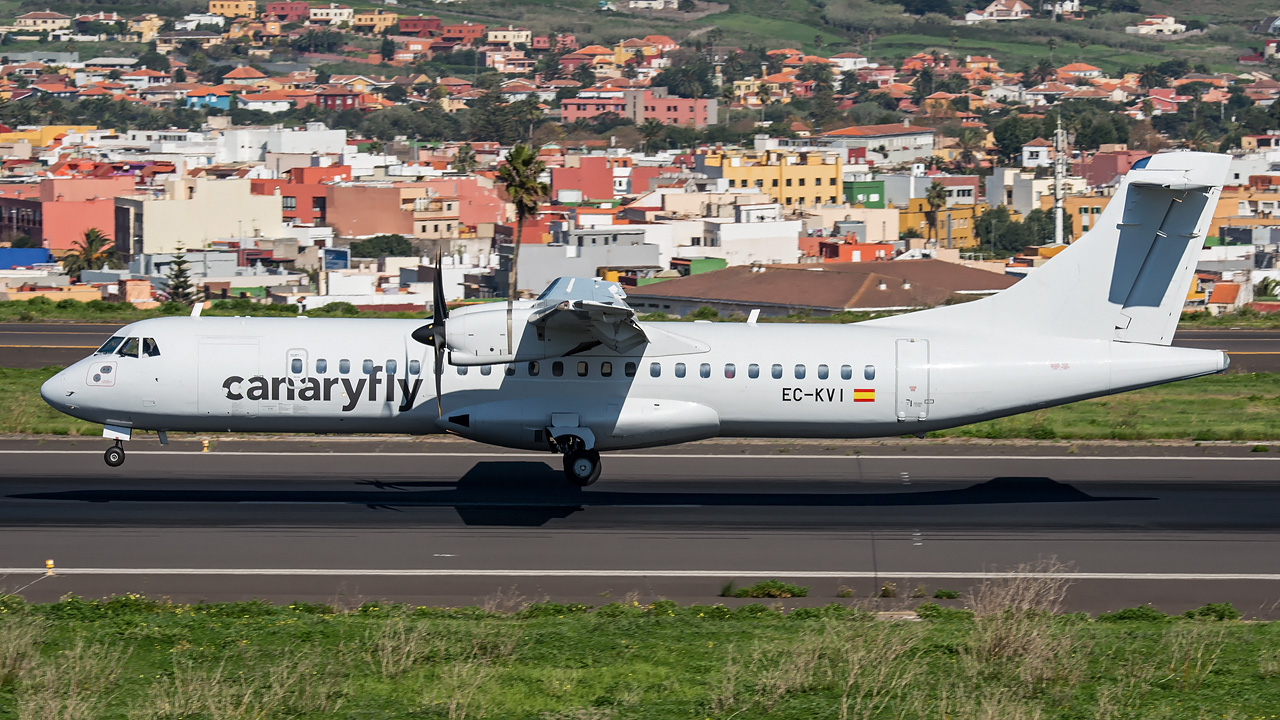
(449, 522)
(34, 345)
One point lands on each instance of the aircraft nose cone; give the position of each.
(54, 390)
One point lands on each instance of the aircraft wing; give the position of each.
(593, 310)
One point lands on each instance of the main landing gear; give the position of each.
(114, 455)
(581, 466)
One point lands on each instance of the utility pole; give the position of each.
(1059, 173)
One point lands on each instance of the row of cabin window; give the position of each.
(583, 369)
(344, 367)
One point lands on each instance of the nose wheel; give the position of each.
(582, 467)
(114, 455)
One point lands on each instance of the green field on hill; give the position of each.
(135, 659)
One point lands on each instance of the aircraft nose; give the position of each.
(54, 390)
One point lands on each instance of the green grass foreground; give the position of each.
(1243, 406)
(135, 659)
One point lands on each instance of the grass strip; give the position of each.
(133, 658)
(1243, 406)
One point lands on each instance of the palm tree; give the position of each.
(464, 159)
(520, 176)
(93, 251)
(1043, 71)
(935, 198)
(970, 140)
(651, 131)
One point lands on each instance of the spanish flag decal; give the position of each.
(864, 395)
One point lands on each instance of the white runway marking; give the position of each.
(424, 572)
(655, 456)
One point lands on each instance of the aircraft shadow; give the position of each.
(531, 494)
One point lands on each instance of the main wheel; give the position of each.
(114, 456)
(582, 467)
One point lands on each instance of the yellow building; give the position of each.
(44, 135)
(1246, 206)
(233, 8)
(625, 51)
(956, 224)
(146, 27)
(1081, 211)
(789, 177)
(373, 21)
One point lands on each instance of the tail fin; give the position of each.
(1127, 278)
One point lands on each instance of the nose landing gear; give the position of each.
(114, 455)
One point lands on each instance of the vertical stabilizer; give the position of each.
(1128, 277)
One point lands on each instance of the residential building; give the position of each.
(146, 26)
(509, 36)
(170, 41)
(891, 144)
(234, 8)
(421, 26)
(999, 11)
(867, 193)
(466, 33)
(956, 224)
(57, 212)
(658, 104)
(191, 213)
(373, 22)
(303, 193)
(793, 178)
(289, 11)
(42, 21)
(409, 209)
(331, 14)
(1037, 153)
(1157, 25)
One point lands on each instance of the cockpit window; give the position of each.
(150, 348)
(130, 348)
(110, 345)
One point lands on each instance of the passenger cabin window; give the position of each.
(486, 369)
(655, 369)
(869, 372)
(799, 372)
(510, 370)
(130, 348)
(629, 369)
(462, 369)
(344, 366)
(679, 370)
(846, 372)
(704, 370)
(557, 368)
(150, 348)
(391, 367)
(367, 367)
(730, 370)
(110, 345)
(822, 372)
(582, 368)
(534, 368)
(606, 369)
(415, 367)
(295, 366)
(322, 366)
(753, 371)
(776, 371)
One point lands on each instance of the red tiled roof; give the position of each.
(876, 130)
(1225, 293)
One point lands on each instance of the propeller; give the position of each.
(433, 333)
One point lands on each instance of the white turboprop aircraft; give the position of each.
(574, 372)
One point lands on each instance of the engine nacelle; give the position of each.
(477, 335)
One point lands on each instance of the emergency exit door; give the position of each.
(913, 380)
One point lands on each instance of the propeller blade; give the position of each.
(440, 310)
(439, 375)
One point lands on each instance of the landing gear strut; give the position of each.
(114, 455)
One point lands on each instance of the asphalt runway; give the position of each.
(449, 522)
(35, 345)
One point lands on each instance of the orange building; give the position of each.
(58, 211)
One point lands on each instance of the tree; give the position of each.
(91, 252)
(382, 245)
(1043, 72)
(935, 197)
(651, 132)
(970, 140)
(179, 75)
(585, 75)
(1150, 77)
(387, 49)
(152, 59)
(464, 159)
(520, 177)
(180, 289)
